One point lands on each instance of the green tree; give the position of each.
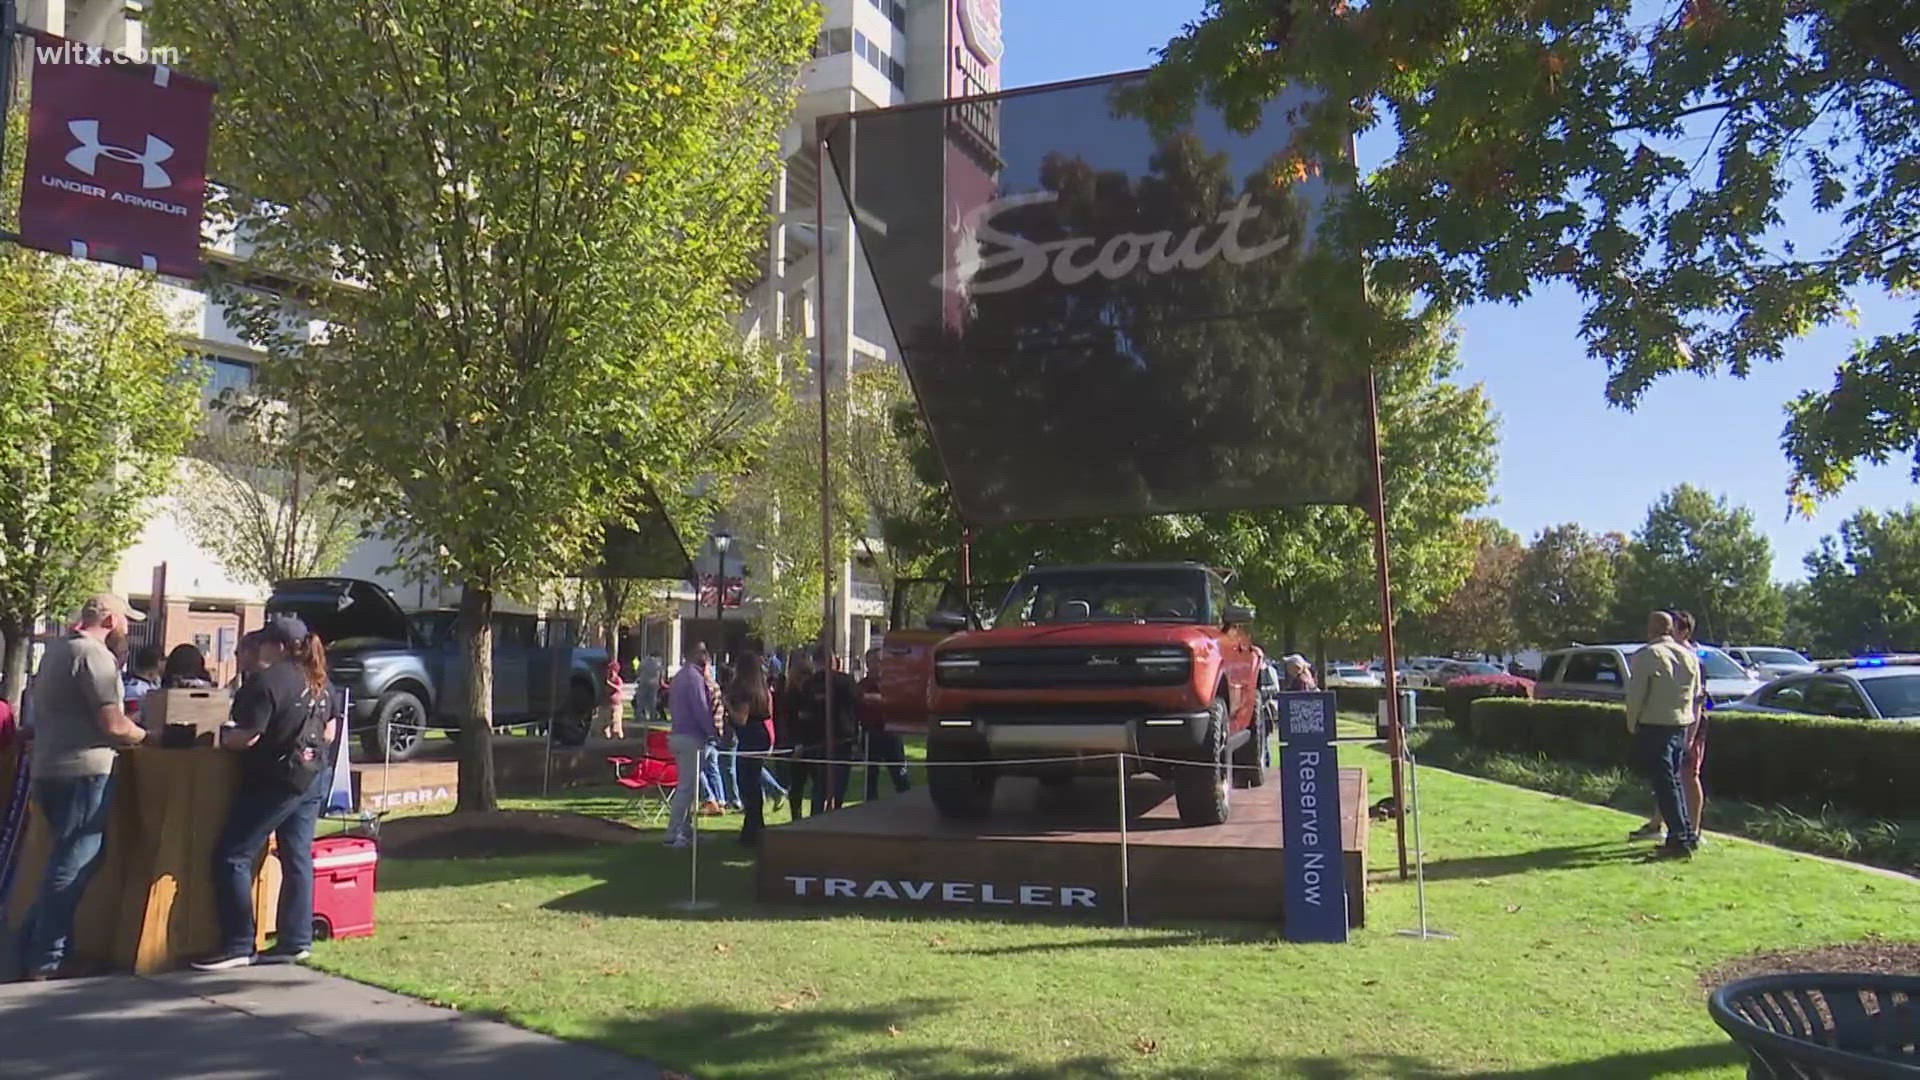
(96, 406)
(1863, 586)
(1564, 587)
(253, 499)
(1478, 617)
(1644, 154)
(521, 227)
(1695, 552)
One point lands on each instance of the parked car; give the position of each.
(1420, 671)
(1352, 675)
(1080, 662)
(402, 672)
(1459, 669)
(1868, 688)
(1770, 661)
(1599, 673)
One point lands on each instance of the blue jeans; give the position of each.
(254, 816)
(76, 813)
(715, 785)
(1658, 750)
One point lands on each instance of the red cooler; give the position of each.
(343, 871)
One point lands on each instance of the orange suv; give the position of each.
(1080, 663)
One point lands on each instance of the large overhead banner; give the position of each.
(116, 166)
(1099, 320)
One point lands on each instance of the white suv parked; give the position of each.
(1599, 673)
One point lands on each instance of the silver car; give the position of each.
(1770, 662)
(1865, 689)
(1599, 673)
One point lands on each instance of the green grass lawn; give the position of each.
(1574, 959)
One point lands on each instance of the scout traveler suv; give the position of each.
(1082, 662)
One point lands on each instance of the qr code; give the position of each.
(1306, 716)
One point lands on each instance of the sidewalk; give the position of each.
(281, 1022)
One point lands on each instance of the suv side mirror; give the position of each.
(947, 620)
(1237, 615)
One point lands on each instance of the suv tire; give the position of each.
(957, 790)
(399, 721)
(1250, 761)
(1202, 789)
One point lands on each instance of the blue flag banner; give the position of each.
(1316, 886)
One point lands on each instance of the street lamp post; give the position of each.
(721, 542)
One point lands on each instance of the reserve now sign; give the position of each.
(1316, 892)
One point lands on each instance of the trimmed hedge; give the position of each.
(1366, 699)
(1464, 691)
(1867, 765)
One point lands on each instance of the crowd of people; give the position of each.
(82, 709)
(757, 733)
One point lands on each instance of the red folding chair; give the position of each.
(653, 772)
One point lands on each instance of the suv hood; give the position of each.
(350, 615)
(1087, 633)
(1721, 690)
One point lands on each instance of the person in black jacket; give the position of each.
(814, 737)
(282, 727)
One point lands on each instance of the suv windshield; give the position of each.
(1107, 595)
(1777, 656)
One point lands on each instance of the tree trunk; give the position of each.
(1320, 658)
(1289, 633)
(477, 794)
(18, 643)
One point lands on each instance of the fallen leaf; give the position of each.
(786, 1006)
(504, 906)
(1513, 909)
(611, 971)
(1369, 982)
(893, 1030)
(810, 993)
(1145, 1046)
(722, 947)
(936, 941)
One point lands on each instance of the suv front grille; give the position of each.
(1063, 667)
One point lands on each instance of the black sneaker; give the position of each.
(1646, 832)
(223, 961)
(1672, 851)
(279, 955)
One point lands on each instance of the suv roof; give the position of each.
(1061, 568)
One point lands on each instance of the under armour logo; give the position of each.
(86, 157)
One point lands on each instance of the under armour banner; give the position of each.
(1101, 318)
(116, 167)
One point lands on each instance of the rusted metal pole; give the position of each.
(1396, 734)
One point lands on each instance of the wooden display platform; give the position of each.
(1055, 853)
(432, 778)
(149, 907)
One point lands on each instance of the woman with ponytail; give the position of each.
(282, 727)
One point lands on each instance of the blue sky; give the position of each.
(1565, 455)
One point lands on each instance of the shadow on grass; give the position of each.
(1567, 857)
(815, 1039)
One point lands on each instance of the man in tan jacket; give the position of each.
(1663, 680)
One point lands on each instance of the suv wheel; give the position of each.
(1202, 790)
(399, 722)
(959, 791)
(1250, 761)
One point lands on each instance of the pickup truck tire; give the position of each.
(397, 723)
(1202, 790)
(957, 790)
(1250, 760)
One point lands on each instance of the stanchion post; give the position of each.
(1126, 884)
(693, 901)
(1420, 863)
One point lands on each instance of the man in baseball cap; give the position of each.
(78, 723)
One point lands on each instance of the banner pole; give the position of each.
(6, 71)
(828, 635)
(1396, 735)
(1126, 885)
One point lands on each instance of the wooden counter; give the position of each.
(150, 905)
